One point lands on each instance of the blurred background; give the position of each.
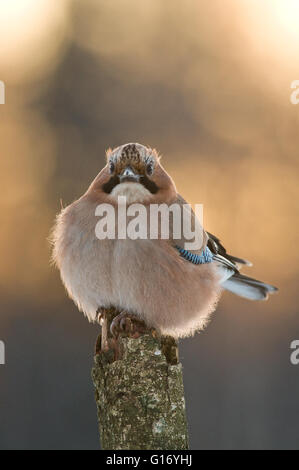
(208, 84)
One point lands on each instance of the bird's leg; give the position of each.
(102, 319)
(127, 323)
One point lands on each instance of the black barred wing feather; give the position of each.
(216, 247)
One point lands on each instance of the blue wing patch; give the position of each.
(205, 257)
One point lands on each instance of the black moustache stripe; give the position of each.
(144, 180)
(149, 185)
(108, 187)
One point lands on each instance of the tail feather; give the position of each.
(248, 287)
(230, 277)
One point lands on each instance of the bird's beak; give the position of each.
(129, 175)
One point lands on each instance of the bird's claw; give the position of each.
(103, 321)
(100, 315)
(127, 323)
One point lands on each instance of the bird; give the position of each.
(171, 288)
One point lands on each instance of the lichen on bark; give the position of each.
(140, 395)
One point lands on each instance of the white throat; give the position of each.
(134, 192)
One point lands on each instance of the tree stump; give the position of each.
(139, 392)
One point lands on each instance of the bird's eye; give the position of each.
(111, 167)
(149, 168)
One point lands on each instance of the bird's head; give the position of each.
(135, 171)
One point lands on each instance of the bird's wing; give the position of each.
(210, 246)
(189, 220)
(217, 248)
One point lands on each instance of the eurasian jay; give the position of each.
(159, 281)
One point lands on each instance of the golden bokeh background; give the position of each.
(207, 83)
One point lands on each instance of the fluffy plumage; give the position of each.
(149, 278)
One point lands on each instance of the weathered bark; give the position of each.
(140, 393)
